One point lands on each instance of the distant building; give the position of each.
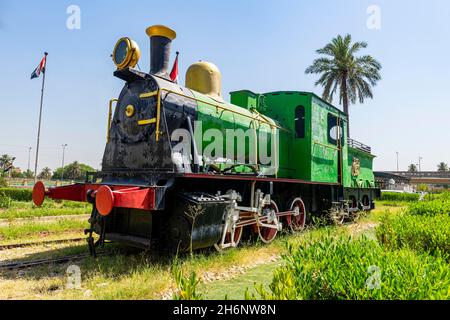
(394, 182)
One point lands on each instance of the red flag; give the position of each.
(174, 72)
(40, 69)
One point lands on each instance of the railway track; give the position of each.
(38, 243)
(35, 263)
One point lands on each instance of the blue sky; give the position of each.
(258, 45)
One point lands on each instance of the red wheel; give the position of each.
(266, 234)
(237, 236)
(297, 222)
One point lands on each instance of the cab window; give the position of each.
(333, 130)
(300, 122)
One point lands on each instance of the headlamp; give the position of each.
(126, 53)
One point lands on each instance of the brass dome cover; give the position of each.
(205, 77)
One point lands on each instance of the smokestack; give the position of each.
(160, 41)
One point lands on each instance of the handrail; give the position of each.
(326, 146)
(108, 136)
(358, 145)
(151, 94)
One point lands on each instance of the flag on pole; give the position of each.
(41, 68)
(174, 72)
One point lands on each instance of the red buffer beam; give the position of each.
(106, 197)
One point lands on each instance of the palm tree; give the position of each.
(340, 70)
(73, 170)
(412, 168)
(442, 167)
(45, 174)
(6, 161)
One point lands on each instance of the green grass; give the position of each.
(423, 233)
(345, 268)
(399, 197)
(235, 288)
(18, 209)
(432, 207)
(29, 229)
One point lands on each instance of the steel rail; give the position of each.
(37, 243)
(41, 262)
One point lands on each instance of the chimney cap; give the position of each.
(161, 31)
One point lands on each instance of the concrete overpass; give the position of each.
(424, 177)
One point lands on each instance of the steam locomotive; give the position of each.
(183, 169)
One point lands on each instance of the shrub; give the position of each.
(357, 269)
(3, 183)
(5, 202)
(17, 194)
(431, 207)
(397, 196)
(187, 286)
(423, 233)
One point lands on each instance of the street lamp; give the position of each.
(62, 171)
(397, 161)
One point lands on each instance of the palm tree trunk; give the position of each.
(345, 102)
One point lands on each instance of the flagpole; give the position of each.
(40, 118)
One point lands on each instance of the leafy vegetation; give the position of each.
(3, 183)
(74, 171)
(5, 202)
(346, 268)
(431, 207)
(442, 167)
(343, 73)
(17, 194)
(423, 233)
(397, 196)
(45, 174)
(187, 286)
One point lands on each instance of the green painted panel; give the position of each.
(234, 124)
(364, 177)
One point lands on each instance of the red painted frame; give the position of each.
(123, 196)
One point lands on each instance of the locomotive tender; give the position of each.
(183, 169)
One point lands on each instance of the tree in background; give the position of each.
(17, 174)
(73, 171)
(46, 174)
(351, 77)
(442, 167)
(412, 168)
(6, 162)
(28, 174)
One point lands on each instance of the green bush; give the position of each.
(3, 183)
(343, 268)
(423, 233)
(432, 207)
(5, 202)
(445, 196)
(17, 194)
(397, 196)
